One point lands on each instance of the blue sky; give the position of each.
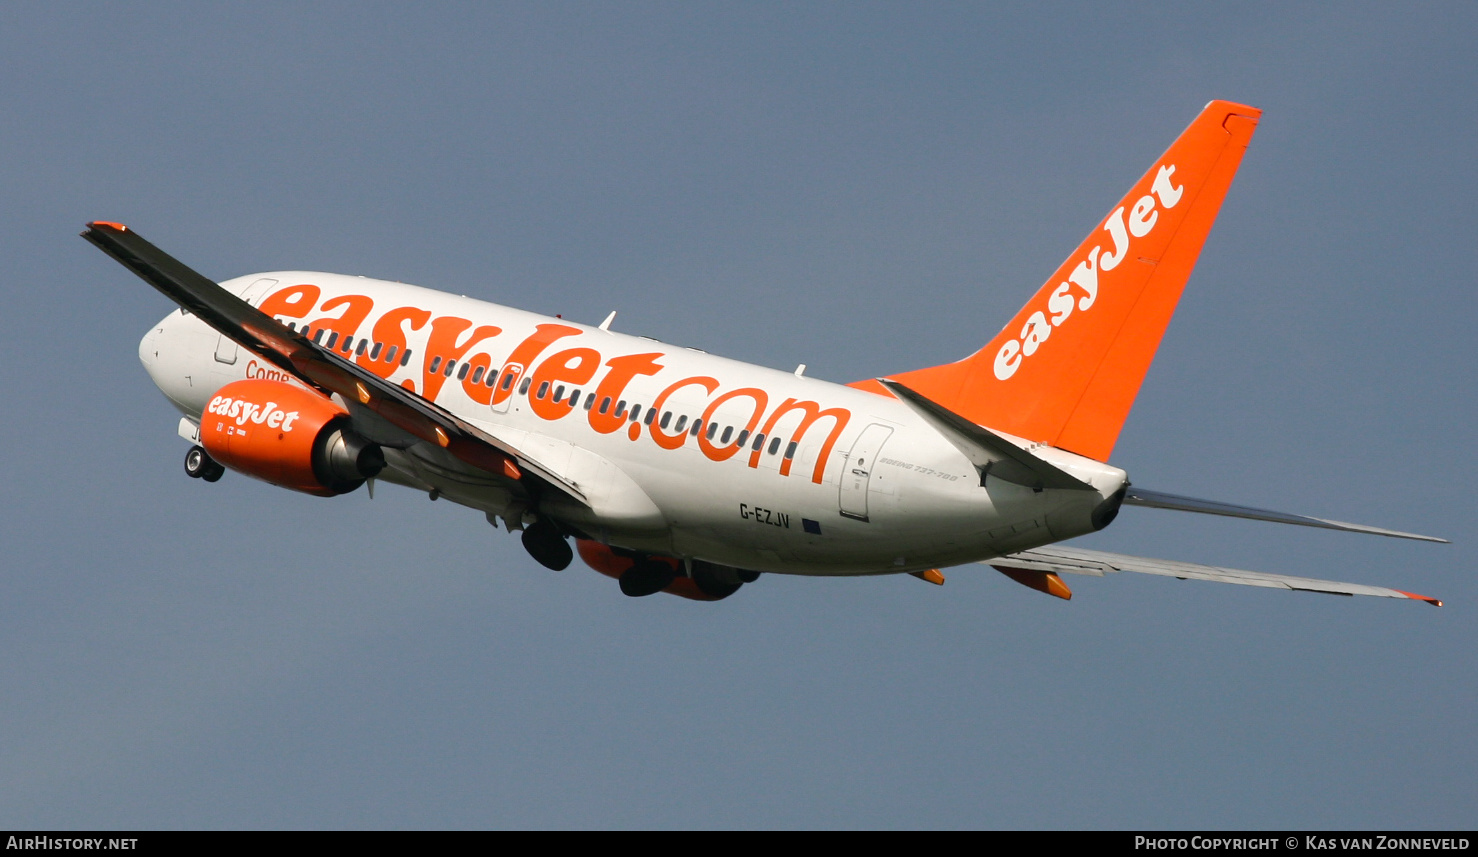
(864, 188)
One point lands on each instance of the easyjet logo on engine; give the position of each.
(244, 412)
(1084, 279)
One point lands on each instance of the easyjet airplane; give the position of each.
(676, 471)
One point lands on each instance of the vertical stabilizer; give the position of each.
(1066, 369)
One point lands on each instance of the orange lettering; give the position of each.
(723, 453)
(673, 441)
(525, 354)
(356, 309)
(389, 332)
(293, 301)
(442, 347)
(574, 366)
(812, 413)
(623, 369)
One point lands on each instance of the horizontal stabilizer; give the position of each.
(1157, 500)
(988, 451)
(1068, 560)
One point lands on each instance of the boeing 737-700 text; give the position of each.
(678, 471)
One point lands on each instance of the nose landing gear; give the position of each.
(199, 465)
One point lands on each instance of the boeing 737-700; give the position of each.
(678, 471)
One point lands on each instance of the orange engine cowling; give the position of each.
(288, 436)
(708, 582)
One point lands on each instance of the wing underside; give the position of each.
(318, 366)
(1069, 560)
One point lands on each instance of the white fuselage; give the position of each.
(845, 481)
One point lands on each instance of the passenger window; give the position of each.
(543, 389)
(621, 410)
(589, 401)
(348, 344)
(774, 445)
(450, 365)
(712, 430)
(359, 352)
(317, 336)
(435, 364)
(405, 357)
(524, 387)
(477, 375)
(508, 380)
(559, 393)
(375, 352)
(759, 442)
(743, 436)
(651, 415)
(728, 433)
(575, 398)
(697, 427)
(390, 355)
(666, 418)
(293, 326)
(333, 336)
(462, 373)
(635, 412)
(605, 404)
(790, 450)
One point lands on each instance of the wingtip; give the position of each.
(95, 224)
(1435, 602)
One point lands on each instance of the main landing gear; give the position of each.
(199, 465)
(547, 545)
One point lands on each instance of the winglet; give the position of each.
(1435, 602)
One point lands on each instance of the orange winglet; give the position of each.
(441, 437)
(930, 575)
(118, 226)
(363, 392)
(1041, 581)
(1432, 601)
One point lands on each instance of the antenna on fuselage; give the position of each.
(606, 325)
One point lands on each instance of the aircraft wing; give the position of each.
(315, 365)
(1067, 560)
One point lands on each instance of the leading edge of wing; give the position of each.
(1070, 560)
(1161, 500)
(295, 353)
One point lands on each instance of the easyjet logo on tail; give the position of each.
(1084, 279)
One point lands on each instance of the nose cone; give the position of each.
(149, 349)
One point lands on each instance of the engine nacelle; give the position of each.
(709, 582)
(288, 436)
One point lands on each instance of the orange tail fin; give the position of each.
(1066, 369)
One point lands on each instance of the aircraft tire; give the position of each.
(199, 464)
(647, 578)
(547, 546)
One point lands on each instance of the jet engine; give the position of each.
(646, 574)
(288, 436)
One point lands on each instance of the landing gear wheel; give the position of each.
(647, 578)
(199, 465)
(547, 545)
